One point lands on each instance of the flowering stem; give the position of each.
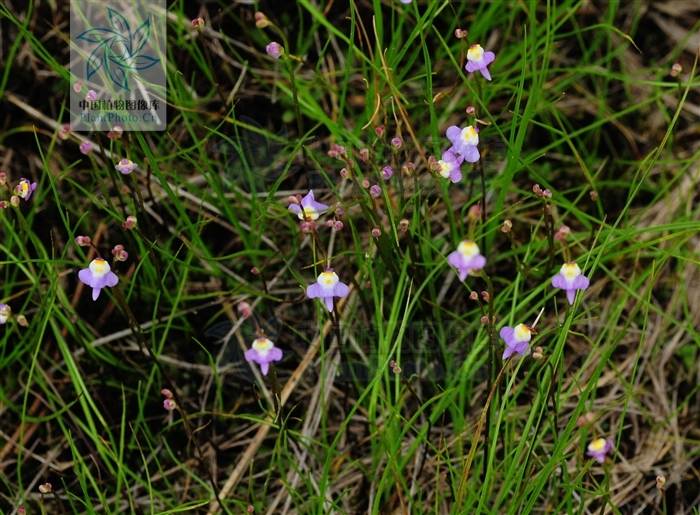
(492, 365)
(549, 225)
(483, 208)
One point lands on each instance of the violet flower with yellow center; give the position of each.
(464, 142)
(517, 340)
(479, 60)
(449, 166)
(263, 352)
(598, 449)
(98, 275)
(308, 210)
(466, 259)
(327, 286)
(24, 189)
(125, 166)
(570, 279)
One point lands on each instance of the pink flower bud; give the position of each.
(365, 183)
(474, 212)
(461, 33)
(274, 50)
(64, 131)
(375, 191)
(307, 226)
(119, 253)
(471, 110)
(396, 142)
(166, 393)
(379, 131)
(91, 95)
(83, 241)
(198, 23)
(387, 172)
(338, 225)
(116, 132)
(129, 223)
(562, 233)
(244, 309)
(344, 173)
(376, 232)
(169, 404)
(85, 147)
(261, 21)
(4, 204)
(3, 178)
(78, 86)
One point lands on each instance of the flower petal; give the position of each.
(506, 334)
(328, 301)
(558, 281)
(453, 133)
(341, 290)
(471, 153)
(314, 291)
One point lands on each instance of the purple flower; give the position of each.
(125, 166)
(466, 259)
(464, 142)
(570, 279)
(598, 448)
(97, 276)
(517, 340)
(5, 313)
(263, 352)
(91, 95)
(406, 1)
(387, 172)
(309, 210)
(24, 189)
(274, 50)
(478, 60)
(326, 287)
(450, 166)
(375, 191)
(85, 147)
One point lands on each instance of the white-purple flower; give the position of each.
(263, 352)
(464, 142)
(450, 166)
(309, 210)
(98, 275)
(517, 340)
(327, 286)
(598, 449)
(125, 166)
(570, 279)
(24, 189)
(466, 259)
(479, 60)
